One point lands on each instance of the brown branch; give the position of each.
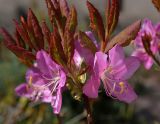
(88, 109)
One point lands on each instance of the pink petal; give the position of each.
(116, 55)
(77, 58)
(91, 36)
(126, 69)
(120, 90)
(34, 77)
(62, 80)
(57, 102)
(100, 62)
(128, 95)
(22, 90)
(85, 54)
(91, 87)
(46, 96)
(144, 58)
(148, 63)
(148, 28)
(45, 63)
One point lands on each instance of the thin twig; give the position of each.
(59, 118)
(88, 109)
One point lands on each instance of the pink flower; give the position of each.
(152, 32)
(44, 82)
(114, 71)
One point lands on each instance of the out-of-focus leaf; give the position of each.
(46, 31)
(126, 36)
(156, 4)
(23, 33)
(64, 7)
(112, 16)
(70, 29)
(25, 56)
(87, 42)
(19, 41)
(37, 30)
(96, 21)
(8, 39)
(31, 31)
(146, 40)
(55, 3)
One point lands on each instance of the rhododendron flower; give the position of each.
(152, 32)
(114, 71)
(44, 82)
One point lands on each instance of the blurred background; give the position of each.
(14, 110)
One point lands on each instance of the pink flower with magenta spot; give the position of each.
(114, 71)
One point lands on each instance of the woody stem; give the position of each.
(59, 118)
(88, 110)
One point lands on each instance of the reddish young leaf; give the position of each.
(19, 41)
(56, 49)
(70, 29)
(55, 4)
(37, 30)
(46, 31)
(96, 21)
(23, 33)
(51, 10)
(23, 22)
(112, 16)
(21, 52)
(87, 42)
(55, 15)
(126, 36)
(64, 8)
(8, 39)
(156, 4)
(72, 22)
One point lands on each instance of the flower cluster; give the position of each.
(66, 59)
(147, 43)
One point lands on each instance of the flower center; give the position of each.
(39, 88)
(112, 85)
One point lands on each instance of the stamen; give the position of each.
(112, 84)
(30, 81)
(38, 89)
(121, 84)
